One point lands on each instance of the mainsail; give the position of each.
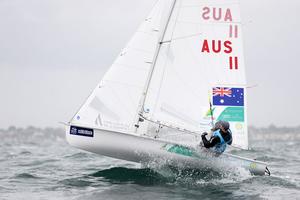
(199, 61)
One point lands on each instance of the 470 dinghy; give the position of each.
(182, 70)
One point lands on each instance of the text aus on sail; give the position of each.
(218, 46)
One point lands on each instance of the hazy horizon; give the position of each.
(53, 53)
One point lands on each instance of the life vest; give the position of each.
(220, 147)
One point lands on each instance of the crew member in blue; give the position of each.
(221, 136)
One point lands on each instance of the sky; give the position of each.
(54, 52)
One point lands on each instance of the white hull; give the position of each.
(143, 149)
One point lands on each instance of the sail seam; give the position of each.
(138, 50)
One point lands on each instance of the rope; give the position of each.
(171, 126)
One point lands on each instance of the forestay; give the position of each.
(113, 103)
(200, 61)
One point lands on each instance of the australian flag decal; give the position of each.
(225, 96)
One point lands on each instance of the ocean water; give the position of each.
(39, 164)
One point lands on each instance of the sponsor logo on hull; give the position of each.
(87, 132)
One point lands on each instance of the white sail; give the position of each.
(113, 103)
(201, 61)
(183, 69)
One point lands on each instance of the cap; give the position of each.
(224, 124)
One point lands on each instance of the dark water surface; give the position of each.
(39, 164)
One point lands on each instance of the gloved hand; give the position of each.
(216, 126)
(204, 134)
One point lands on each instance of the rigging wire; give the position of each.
(182, 37)
(144, 94)
(211, 110)
(171, 126)
(166, 61)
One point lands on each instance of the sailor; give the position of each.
(221, 136)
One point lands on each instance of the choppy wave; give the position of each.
(144, 176)
(39, 164)
(25, 176)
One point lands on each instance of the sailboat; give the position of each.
(182, 71)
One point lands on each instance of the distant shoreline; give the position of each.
(252, 129)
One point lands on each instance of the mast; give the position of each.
(146, 88)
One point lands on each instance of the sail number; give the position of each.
(217, 46)
(216, 14)
(221, 46)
